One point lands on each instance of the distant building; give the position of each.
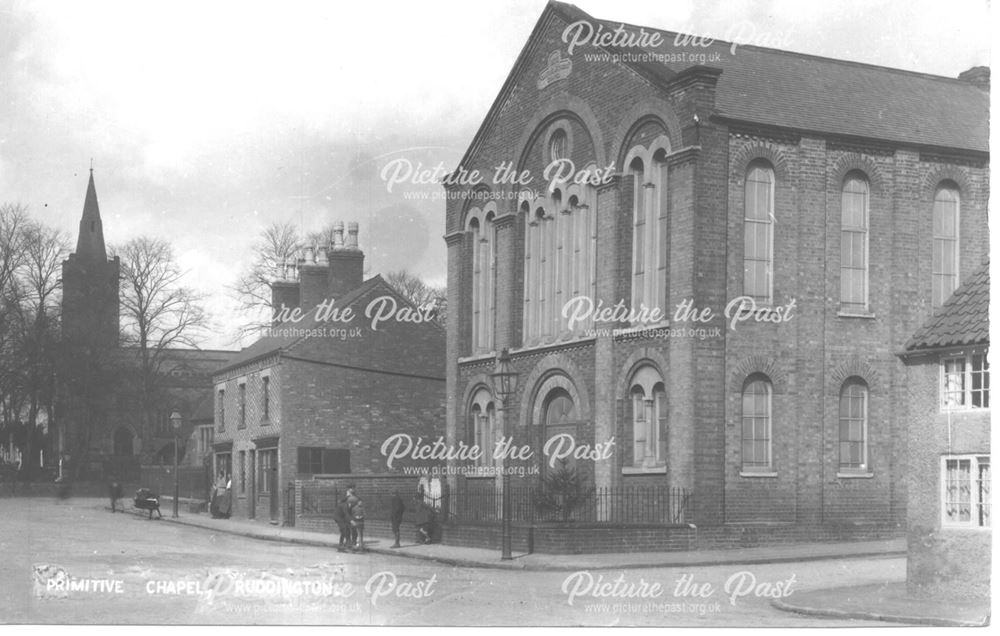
(947, 409)
(98, 418)
(318, 397)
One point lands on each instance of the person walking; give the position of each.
(396, 510)
(352, 500)
(341, 516)
(115, 493)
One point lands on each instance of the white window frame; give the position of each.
(975, 499)
(769, 299)
(937, 302)
(865, 230)
(865, 467)
(967, 373)
(758, 470)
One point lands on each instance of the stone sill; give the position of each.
(638, 470)
(859, 475)
(771, 475)
(852, 314)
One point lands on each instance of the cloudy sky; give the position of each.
(207, 121)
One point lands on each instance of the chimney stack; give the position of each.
(978, 75)
(324, 271)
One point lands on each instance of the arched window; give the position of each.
(649, 419)
(853, 435)
(560, 246)
(482, 425)
(560, 418)
(944, 262)
(854, 244)
(758, 233)
(558, 145)
(756, 424)
(483, 281)
(650, 208)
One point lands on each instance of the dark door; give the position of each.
(275, 494)
(253, 485)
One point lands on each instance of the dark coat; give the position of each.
(341, 515)
(396, 509)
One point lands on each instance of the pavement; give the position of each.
(485, 558)
(885, 602)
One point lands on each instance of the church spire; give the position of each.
(90, 244)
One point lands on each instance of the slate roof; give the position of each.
(281, 342)
(811, 93)
(962, 321)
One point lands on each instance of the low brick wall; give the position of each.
(754, 535)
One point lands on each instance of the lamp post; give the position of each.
(504, 384)
(175, 422)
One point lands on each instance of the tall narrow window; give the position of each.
(756, 425)
(758, 233)
(638, 234)
(649, 420)
(243, 472)
(854, 426)
(662, 243)
(944, 261)
(483, 235)
(267, 397)
(222, 409)
(854, 244)
(482, 426)
(243, 405)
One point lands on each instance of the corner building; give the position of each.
(846, 200)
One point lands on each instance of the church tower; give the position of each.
(90, 284)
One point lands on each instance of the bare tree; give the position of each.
(277, 244)
(158, 312)
(420, 293)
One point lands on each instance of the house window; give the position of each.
(649, 419)
(324, 461)
(854, 244)
(243, 472)
(965, 382)
(243, 405)
(205, 438)
(965, 499)
(267, 398)
(222, 409)
(758, 233)
(756, 424)
(944, 260)
(853, 435)
(482, 426)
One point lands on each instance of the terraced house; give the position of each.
(795, 219)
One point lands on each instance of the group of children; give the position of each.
(349, 516)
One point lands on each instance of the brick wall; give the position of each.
(807, 358)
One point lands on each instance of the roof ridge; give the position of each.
(768, 49)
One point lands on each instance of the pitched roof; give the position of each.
(962, 321)
(802, 92)
(284, 339)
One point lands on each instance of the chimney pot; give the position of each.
(338, 235)
(352, 235)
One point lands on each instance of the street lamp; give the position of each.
(504, 384)
(175, 422)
